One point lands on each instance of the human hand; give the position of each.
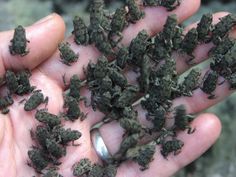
(15, 138)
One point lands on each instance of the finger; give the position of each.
(198, 102)
(201, 51)
(44, 36)
(208, 129)
(153, 22)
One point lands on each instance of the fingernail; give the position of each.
(44, 19)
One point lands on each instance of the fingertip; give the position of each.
(208, 129)
(187, 9)
(44, 37)
(53, 21)
(220, 14)
(209, 124)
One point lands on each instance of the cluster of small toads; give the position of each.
(51, 139)
(17, 83)
(72, 100)
(111, 93)
(50, 136)
(85, 168)
(151, 58)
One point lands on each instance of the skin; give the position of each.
(44, 36)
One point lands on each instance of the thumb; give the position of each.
(44, 37)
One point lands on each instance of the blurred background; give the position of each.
(220, 160)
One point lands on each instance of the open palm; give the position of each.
(15, 139)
